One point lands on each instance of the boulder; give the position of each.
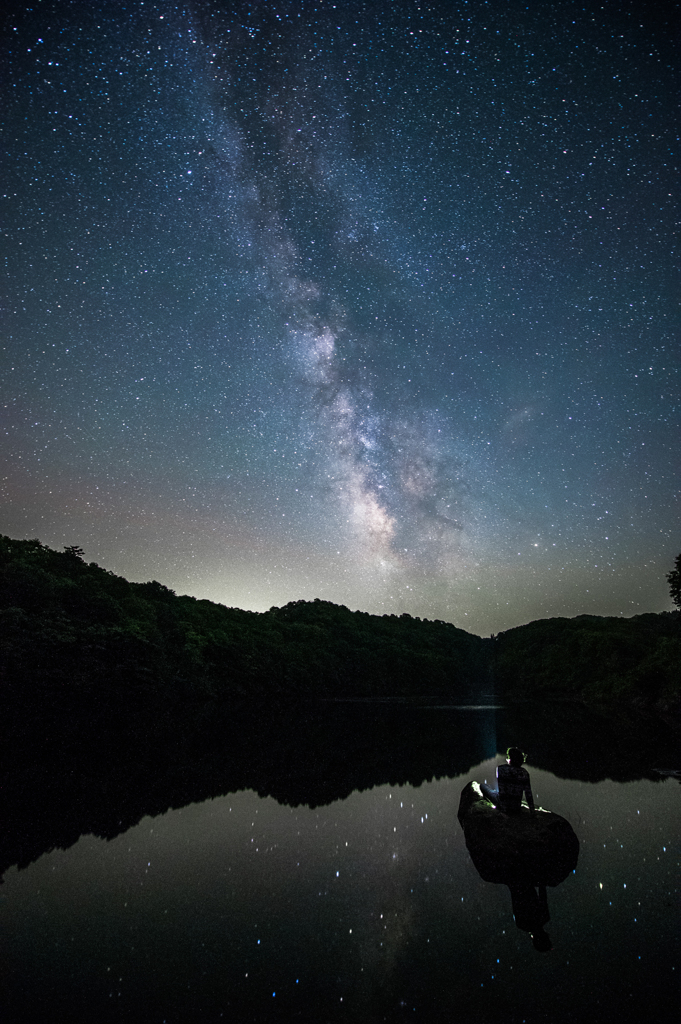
(516, 849)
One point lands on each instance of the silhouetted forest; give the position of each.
(74, 632)
(72, 626)
(597, 659)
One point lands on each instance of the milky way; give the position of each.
(367, 302)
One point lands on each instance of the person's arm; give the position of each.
(528, 793)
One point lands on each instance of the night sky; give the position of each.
(371, 302)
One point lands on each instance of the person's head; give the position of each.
(515, 756)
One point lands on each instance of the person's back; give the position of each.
(513, 780)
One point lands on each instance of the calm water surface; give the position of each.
(366, 909)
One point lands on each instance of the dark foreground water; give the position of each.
(367, 908)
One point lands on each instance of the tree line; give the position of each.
(72, 625)
(73, 631)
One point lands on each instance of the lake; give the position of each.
(309, 865)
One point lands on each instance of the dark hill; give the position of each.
(595, 659)
(72, 631)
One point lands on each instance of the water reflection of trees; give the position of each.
(82, 771)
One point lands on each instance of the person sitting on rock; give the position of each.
(512, 781)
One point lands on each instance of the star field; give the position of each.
(369, 302)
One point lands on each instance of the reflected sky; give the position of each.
(366, 908)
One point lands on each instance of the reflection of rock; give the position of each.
(517, 849)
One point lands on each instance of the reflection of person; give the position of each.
(531, 913)
(512, 781)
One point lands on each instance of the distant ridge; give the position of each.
(596, 659)
(76, 628)
(72, 631)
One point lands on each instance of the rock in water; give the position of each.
(516, 848)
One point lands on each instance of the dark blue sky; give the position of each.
(370, 302)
